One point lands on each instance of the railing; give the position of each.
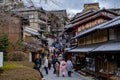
(42, 25)
(42, 18)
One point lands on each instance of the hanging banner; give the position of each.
(1, 59)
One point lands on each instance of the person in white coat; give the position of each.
(46, 65)
(63, 67)
(69, 67)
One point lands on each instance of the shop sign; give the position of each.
(1, 59)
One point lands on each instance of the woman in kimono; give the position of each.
(63, 67)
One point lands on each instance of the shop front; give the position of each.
(107, 61)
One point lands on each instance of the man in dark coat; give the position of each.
(38, 65)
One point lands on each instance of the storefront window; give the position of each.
(90, 63)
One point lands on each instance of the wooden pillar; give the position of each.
(107, 70)
(96, 66)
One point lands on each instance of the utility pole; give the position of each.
(46, 21)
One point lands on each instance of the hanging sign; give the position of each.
(1, 59)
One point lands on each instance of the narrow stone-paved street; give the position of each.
(52, 76)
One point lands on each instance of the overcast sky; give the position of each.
(75, 6)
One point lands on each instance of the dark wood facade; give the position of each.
(101, 64)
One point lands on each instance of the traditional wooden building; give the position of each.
(102, 58)
(95, 49)
(58, 20)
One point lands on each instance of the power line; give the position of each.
(56, 3)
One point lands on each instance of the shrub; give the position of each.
(17, 56)
(5, 58)
(1, 70)
(4, 42)
(19, 70)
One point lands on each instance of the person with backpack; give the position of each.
(53, 62)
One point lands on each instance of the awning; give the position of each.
(68, 26)
(43, 39)
(100, 47)
(67, 49)
(89, 30)
(108, 46)
(31, 32)
(34, 28)
(85, 48)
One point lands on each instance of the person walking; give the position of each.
(69, 67)
(63, 67)
(46, 65)
(49, 61)
(57, 66)
(37, 66)
(53, 62)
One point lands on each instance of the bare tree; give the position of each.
(31, 2)
(6, 11)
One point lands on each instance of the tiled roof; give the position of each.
(85, 48)
(89, 13)
(109, 46)
(84, 18)
(28, 9)
(86, 31)
(107, 24)
(83, 13)
(99, 47)
(113, 22)
(32, 32)
(68, 26)
(35, 28)
(66, 49)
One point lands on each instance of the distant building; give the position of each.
(59, 13)
(37, 20)
(60, 17)
(10, 4)
(88, 6)
(33, 34)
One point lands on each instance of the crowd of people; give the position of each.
(55, 58)
(58, 63)
(62, 66)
